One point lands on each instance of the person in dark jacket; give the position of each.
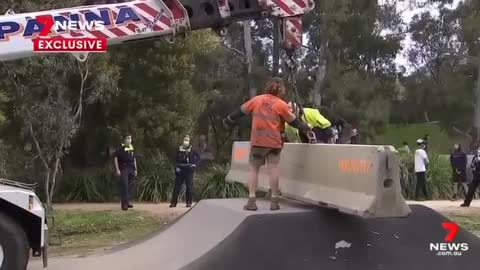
(475, 165)
(458, 162)
(186, 162)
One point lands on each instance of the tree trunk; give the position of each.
(425, 115)
(276, 47)
(53, 181)
(320, 76)
(247, 37)
(47, 190)
(476, 116)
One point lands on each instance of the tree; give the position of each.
(470, 22)
(49, 94)
(442, 55)
(3, 101)
(353, 45)
(158, 102)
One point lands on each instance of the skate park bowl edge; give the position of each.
(362, 180)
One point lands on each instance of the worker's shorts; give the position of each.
(259, 154)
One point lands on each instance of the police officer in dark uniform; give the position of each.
(126, 169)
(475, 165)
(186, 162)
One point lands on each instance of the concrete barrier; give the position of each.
(357, 179)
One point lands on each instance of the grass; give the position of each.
(81, 231)
(470, 223)
(395, 135)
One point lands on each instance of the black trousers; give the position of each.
(472, 188)
(126, 185)
(421, 185)
(322, 135)
(180, 178)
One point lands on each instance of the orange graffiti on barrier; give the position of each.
(240, 153)
(355, 165)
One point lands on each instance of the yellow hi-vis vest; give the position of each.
(314, 118)
(292, 134)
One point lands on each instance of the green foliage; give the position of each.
(360, 70)
(396, 134)
(159, 92)
(470, 20)
(87, 185)
(439, 177)
(213, 184)
(3, 101)
(155, 182)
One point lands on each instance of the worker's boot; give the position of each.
(274, 204)
(251, 205)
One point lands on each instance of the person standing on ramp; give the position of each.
(186, 162)
(269, 114)
(126, 169)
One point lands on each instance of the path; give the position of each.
(161, 210)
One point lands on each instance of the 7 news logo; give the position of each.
(60, 44)
(449, 247)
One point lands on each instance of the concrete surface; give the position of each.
(218, 235)
(198, 231)
(309, 241)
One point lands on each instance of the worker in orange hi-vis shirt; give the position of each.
(269, 114)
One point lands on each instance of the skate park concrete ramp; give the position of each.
(329, 240)
(219, 234)
(199, 230)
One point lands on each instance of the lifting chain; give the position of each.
(292, 68)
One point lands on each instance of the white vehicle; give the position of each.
(23, 227)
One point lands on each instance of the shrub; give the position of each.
(439, 182)
(155, 182)
(92, 185)
(213, 184)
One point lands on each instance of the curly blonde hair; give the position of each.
(274, 86)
